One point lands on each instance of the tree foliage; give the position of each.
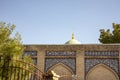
(10, 45)
(11, 49)
(107, 37)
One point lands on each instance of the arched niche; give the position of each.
(62, 70)
(101, 72)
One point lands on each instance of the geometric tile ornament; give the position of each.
(101, 53)
(70, 62)
(60, 53)
(33, 54)
(113, 63)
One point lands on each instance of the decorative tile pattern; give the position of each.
(71, 63)
(32, 54)
(34, 61)
(101, 53)
(113, 63)
(60, 53)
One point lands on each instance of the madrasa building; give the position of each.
(76, 61)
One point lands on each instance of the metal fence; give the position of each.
(18, 70)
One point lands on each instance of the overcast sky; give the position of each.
(53, 21)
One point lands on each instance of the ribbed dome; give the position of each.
(73, 41)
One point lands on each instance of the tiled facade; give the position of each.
(84, 61)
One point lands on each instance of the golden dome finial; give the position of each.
(73, 37)
(73, 40)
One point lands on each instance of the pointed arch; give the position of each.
(63, 71)
(62, 65)
(101, 72)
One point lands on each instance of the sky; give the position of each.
(54, 21)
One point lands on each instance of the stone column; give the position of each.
(80, 64)
(41, 60)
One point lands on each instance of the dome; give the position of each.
(73, 41)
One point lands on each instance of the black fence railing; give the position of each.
(18, 70)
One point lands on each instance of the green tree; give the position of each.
(107, 37)
(11, 48)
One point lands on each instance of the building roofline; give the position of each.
(68, 44)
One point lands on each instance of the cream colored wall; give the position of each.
(40, 55)
(80, 64)
(101, 72)
(62, 71)
(80, 49)
(41, 60)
